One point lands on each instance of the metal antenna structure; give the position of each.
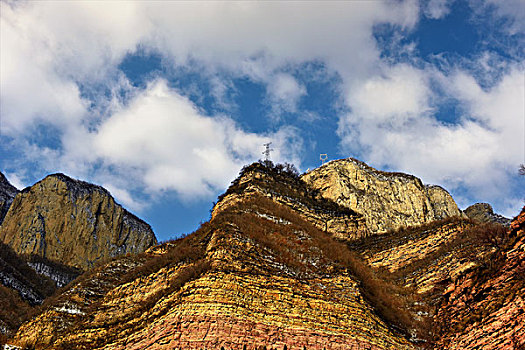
(267, 151)
(323, 157)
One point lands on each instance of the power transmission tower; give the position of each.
(267, 151)
(323, 157)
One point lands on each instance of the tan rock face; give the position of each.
(484, 308)
(386, 200)
(72, 222)
(272, 280)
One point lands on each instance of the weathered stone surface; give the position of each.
(266, 271)
(72, 222)
(7, 194)
(257, 179)
(386, 200)
(483, 212)
(484, 307)
(270, 282)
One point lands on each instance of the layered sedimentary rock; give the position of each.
(257, 179)
(72, 222)
(483, 212)
(259, 274)
(7, 194)
(484, 307)
(386, 200)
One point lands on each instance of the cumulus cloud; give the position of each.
(157, 140)
(437, 9)
(284, 93)
(161, 141)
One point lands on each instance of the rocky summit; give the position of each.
(72, 222)
(286, 263)
(386, 200)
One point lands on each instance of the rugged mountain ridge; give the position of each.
(483, 212)
(285, 187)
(386, 200)
(258, 274)
(72, 222)
(275, 268)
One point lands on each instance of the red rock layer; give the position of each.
(486, 309)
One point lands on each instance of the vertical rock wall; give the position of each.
(72, 222)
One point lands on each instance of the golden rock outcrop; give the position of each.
(385, 200)
(72, 222)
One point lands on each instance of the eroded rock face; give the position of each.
(257, 275)
(72, 222)
(7, 194)
(484, 308)
(257, 179)
(386, 200)
(483, 212)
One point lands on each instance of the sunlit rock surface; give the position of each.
(72, 222)
(385, 200)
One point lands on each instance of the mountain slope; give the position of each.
(258, 274)
(386, 200)
(279, 266)
(72, 222)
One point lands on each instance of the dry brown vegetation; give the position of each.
(390, 301)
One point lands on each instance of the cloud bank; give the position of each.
(59, 72)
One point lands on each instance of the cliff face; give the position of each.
(7, 194)
(483, 212)
(72, 222)
(280, 266)
(484, 307)
(386, 200)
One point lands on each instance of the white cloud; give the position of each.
(399, 94)
(480, 152)
(437, 9)
(284, 92)
(514, 10)
(159, 138)
(173, 146)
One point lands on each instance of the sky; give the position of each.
(163, 102)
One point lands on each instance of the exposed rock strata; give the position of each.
(72, 222)
(343, 223)
(386, 200)
(483, 212)
(258, 274)
(485, 307)
(7, 194)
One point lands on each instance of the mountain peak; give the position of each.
(387, 200)
(7, 195)
(73, 222)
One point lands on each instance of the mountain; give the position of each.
(483, 212)
(72, 222)
(7, 194)
(280, 265)
(386, 200)
(259, 273)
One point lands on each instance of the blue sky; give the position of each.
(163, 102)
